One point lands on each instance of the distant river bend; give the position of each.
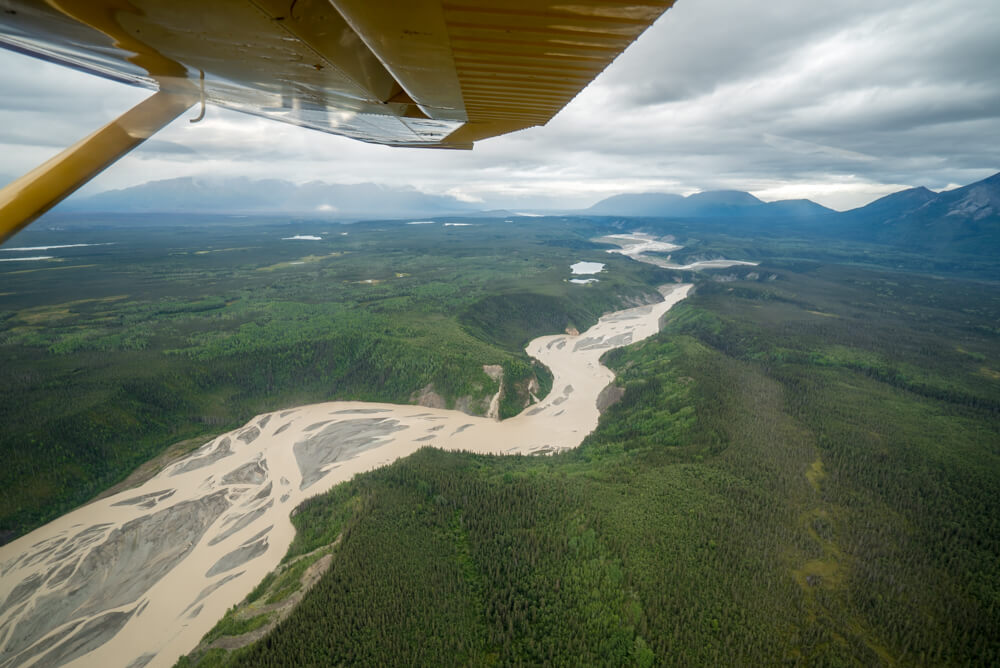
(138, 578)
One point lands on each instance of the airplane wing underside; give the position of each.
(419, 73)
(405, 73)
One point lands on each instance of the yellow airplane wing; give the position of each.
(418, 73)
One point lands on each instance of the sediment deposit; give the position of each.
(139, 577)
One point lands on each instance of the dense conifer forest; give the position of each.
(804, 469)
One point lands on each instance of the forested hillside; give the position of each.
(111, 353)
(804, 469)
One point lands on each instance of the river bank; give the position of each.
(138, 577)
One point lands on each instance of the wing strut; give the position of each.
(39, 190)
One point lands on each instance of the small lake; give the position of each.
(584, 268)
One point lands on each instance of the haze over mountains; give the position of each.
(964, 219)
(268, 196)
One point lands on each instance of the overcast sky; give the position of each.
(840, 102)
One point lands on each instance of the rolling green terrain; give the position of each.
(112, 353)
(805, 468)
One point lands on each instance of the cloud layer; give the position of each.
(840, 102)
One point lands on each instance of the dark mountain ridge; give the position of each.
(963, 220)
(902, 201)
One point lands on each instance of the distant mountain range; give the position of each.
(268, 196)
(710, 204)
(367, 200)
(965, 219)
